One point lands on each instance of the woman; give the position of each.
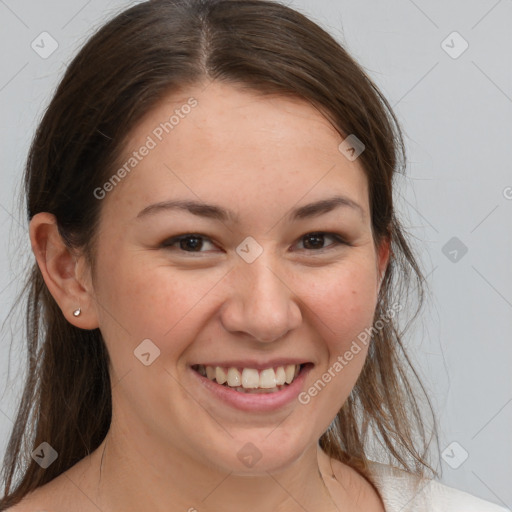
(219, 275)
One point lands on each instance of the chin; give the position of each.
(261, 451)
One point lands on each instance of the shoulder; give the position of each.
(36, 500)
(403, 491)
(448, 498)
(58, 495)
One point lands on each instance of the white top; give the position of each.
(404, 492)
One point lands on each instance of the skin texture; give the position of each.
(172, 445)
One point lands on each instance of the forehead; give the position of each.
(221, 143)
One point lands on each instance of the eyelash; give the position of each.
(338, 240)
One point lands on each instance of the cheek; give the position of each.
(146, 300)
(344, 306)
(342, 300)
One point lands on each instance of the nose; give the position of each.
(260, 304)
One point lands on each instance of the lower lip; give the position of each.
(256, 401)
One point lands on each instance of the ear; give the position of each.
(383, 255)
(62, 272)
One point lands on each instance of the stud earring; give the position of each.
(77, 312)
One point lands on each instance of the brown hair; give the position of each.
(143, 54)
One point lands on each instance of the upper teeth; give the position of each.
(250, 378)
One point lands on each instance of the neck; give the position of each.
(130, 477)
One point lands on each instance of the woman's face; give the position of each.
(271, 283)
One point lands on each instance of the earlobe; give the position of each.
(59, 267)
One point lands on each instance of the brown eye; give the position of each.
(191, 242)
(187, 243)
(315, 241)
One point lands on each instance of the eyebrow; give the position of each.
(219, 213)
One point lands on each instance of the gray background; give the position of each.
(456, 112)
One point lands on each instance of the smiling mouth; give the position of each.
(250, 380)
